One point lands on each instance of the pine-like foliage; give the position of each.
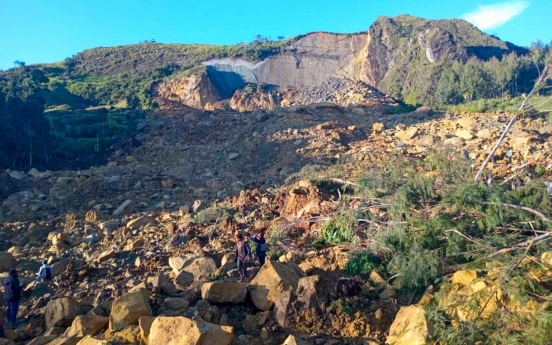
(438, 222)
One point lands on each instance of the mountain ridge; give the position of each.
(108, 75)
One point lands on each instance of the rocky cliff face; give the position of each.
(398, 46)
(394, 51)
(197, 91)
(308, 61)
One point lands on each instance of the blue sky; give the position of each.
(50, 30)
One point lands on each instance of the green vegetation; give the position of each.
(437, 222)
(502, 105)
(25, 131)
(279, 242)
(58, 137)
(342, 306)
(339, 229)
(213, 214)
(106, 76)
(364, 262)
(81, 136)
(467, 65)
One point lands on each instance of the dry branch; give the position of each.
(539, 84)
(525, 208)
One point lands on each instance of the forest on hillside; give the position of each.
(33, 136)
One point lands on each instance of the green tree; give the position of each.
(448, 91)
(133, 102)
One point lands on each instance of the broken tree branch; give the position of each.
(522, 244)
(539, 84)
(525, 208)
(518, 171)
(342, 181)
(469, 238)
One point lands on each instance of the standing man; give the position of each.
(259, 239)
(12, 294)
(243, 255)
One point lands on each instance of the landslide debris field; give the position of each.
(376, 233)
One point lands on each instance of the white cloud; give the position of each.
(493, 16)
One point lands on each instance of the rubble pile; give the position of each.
(142, 249)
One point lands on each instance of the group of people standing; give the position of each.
(243, 251)
(13, 288)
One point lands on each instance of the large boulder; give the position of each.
(145, 323)
(84, 325)
(293, 340)
(181, 330)
(138, 223)
(162, 283)
(127, 335)
(273, 279)
(17, 199)
(127, 309)
(92, 341)
(7, 261)
(178, 263)
(65, 341)
(183, 280)
(202, 268)
(224, 292)
(8, 185)
(410, 327)
(41, 340)
(62, 311)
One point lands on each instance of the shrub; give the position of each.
(339, 229)
(213, 214)
(363, 262)
(416, 268)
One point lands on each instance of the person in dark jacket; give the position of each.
(243, 255)
(261, 249)
(12, 294)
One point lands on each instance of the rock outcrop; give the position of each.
(197, 91)
(62, 311)
(393, 52)
(273, 279)
(181, 330)
(410, 327)
(128, 309)
(224, 292)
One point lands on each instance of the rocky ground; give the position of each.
(143, 251)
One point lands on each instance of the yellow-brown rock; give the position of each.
(224, 292)
(84, 325)
(145, 323)
(546, 258)
(181, 330)
(464, 277)
(129, 334)
(128, 309)
(272, 279)
(89, 340)
(293, 340)
(62, 311)
(7, 261)
(410, 327)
